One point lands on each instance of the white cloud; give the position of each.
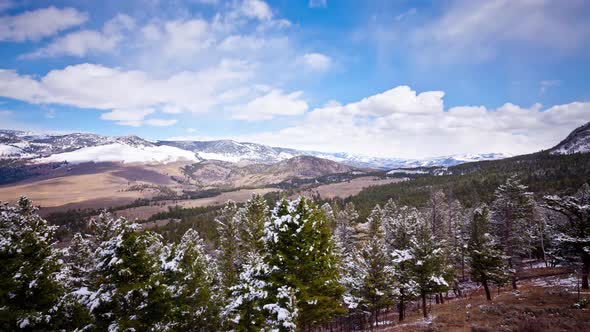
(161, 122)
(80, 43)
(273, 104)
(178, 38)
(100, 87)
(318, 3)
(479, 30)
(6, 113)
(257, 9)
(317, 61)
(36, 24)
(403, 123)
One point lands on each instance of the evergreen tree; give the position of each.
(228, 227)
(303, 280)
(29, 287)
(251, 219)
(572, 233)
(399, 232)
(373, 268)
(512, 216)
(127, 289)
(429, 268)
(244, 311)
(345, 247)
(487, 261)
(190, 280)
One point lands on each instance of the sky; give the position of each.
(391, 78)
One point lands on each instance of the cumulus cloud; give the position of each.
(317, 61)
(40, 23)
(403, 123)
(275, 103)
(80, 43)
(257, 9)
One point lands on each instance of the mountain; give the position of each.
(216, 173)
(578, 141)
(81, 147)
(248, 153)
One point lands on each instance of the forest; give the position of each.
(293, 265)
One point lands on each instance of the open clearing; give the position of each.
(540, 304)
(352, 187)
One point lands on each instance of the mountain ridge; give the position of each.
(48, 147)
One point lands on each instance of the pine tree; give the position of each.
(399, 231)
(512, 217)
(487, 261)
(345, 247)
(244, 311)
(303, 270)
(373, 268)
(29, 287)
(251, 219)
(429, 268)
(230, 259)
(190, 279)
(127, 289)
(572, 234)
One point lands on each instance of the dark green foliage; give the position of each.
(28, 275)
(474, 183)
(487, 262)
(299, 245)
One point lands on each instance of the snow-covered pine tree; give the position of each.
(512, 217)
(190, 279)
(126, 288)
(229, 257)
(429, 268)
(572, 234)
(303, 280)
(244, 311)
(29, 289)
(373, 268)
(345, 247)
(486, 259)
(400, 227)
(251, 219)
(437, 214)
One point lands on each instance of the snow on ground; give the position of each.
(571, 281)
(10, 151)
(123, 153)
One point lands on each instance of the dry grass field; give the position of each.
(541, 304)
(352, 187)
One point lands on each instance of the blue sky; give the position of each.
(385, 78)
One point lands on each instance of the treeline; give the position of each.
(474, 183)
(296, 267)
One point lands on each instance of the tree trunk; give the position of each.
(424, 310)
(513, 276)
(585, 271)
(487, 289)
(442, 301)
(401, 306)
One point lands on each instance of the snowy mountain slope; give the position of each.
(52, 147)
(576, 142)
(125, 153)
(231, 151)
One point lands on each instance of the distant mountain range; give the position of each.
(82, 147)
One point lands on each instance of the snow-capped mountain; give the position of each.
(232, 151)
(82, 147)
(578, 141)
